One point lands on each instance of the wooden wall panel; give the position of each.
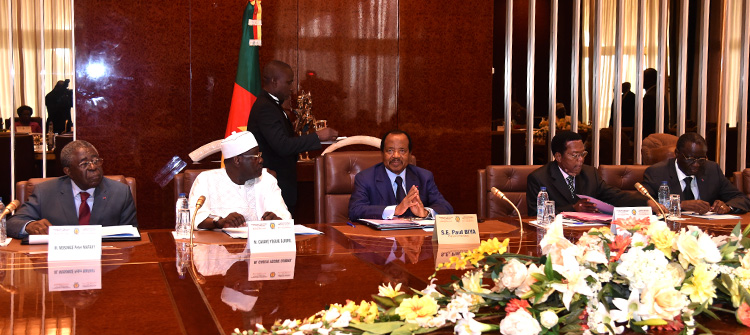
(372, 66)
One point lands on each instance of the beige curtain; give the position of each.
(734, 59)
(607, 59)
(38, 61)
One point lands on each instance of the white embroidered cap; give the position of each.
(238, 143)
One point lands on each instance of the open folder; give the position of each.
(109, 234)
(397, 224)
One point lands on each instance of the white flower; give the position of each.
(343, 320)
(641, 267)
(323, 331)
(519, 322)
(661, 300)
(430, 289)
(331, 315)
(548, 319)
(631, 307)
(310, 326)
(711, 251)
(514, 274)
(468, 326)
(599, 319)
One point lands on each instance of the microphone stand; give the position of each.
(502, 196)
(200, 279)
(644, 191)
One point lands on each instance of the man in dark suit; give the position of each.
(380, 192)
(81, 197)
(566, 177)
(628, 108)
(709, 189)
(275, 133)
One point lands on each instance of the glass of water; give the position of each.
(674, 206)
(549, 212)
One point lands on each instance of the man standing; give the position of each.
(566, 177)
(81, 197)
(59, 101)
(242, 191)
(380, 192)
(700, 183)
(275, 133)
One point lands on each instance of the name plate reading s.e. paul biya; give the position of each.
(456, 229)
(74, 243)
(271, 236)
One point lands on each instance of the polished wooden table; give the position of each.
(148, 286)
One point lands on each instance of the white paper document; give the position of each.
(241, 232)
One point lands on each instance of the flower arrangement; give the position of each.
(646, 277)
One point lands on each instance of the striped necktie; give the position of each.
(571, 186)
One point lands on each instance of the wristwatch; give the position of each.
(216, 218)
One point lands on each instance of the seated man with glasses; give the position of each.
(700, 183)
(567, 177)
(242, 191)
(82, 197)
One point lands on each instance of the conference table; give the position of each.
(151, 286)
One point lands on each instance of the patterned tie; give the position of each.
(571, 186)
(687, 193)
(84, 212)
(400, 194)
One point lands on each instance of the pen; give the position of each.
(350, 223)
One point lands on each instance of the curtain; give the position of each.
(38, 61)
(734, 59)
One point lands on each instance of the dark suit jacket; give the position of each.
(588, 182)
(712, 186)
(373, 192)
(628, 111)
(54, 200)
(279, 144)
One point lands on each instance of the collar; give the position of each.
(274, 98)
(392, 176)
(565, 175)
(681, 175)
(77, 189)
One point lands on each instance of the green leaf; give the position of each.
(737, 230)
(650, 322)
(383, 301)
(548, 269)
(378, 328)
(406, 329)
(539, 277)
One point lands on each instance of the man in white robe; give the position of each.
(242, 191)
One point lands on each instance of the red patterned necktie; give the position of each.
(84, 212)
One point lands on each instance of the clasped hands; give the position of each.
(701, 206)
(238, 220)
(413, 202)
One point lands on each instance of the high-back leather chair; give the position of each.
(658, 147)
(25, 188)
(183, 181)
(623, 177)
(742, 181)
(24, 162)
(511, 180)
(334, 182)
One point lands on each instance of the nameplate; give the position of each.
(74, 243)
(456, 229)
(443, 253)
(75, 276)
(628, 212)
(271, 236)
(272, 266)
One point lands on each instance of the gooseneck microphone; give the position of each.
(644, 191)
(502, 196)
(10, 208)
(198, 277)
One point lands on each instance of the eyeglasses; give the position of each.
(693, 160)
(401, 151)
(582, 154)
(253, 156)
(96, 162)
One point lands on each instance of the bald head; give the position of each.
(277, 79)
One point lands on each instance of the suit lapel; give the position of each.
(287, 122)
(384, 186)
(559, 181)
(100, 203)
(68, 204)
(412, 180)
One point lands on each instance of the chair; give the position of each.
(606, 147)
(511, 180)
(183, 181)
(623, 177)
(334, 182)
(25, 188)
(742, 181)
(24, 162)
(658, 147)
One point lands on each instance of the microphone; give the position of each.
(502, 196)
(10, 208)
(644, 191)
(193, 271)
(199, 203)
